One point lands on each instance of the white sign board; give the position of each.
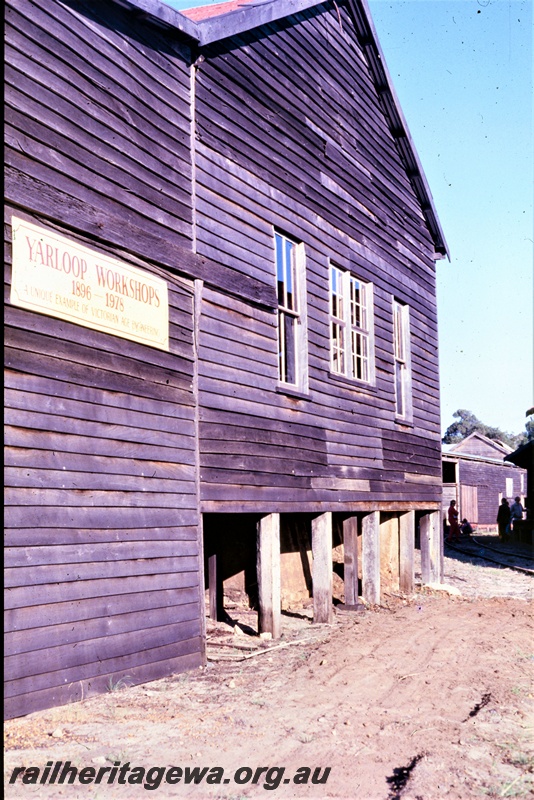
(57, 276)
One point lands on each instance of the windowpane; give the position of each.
(363, 307)
(280, 269)
(290, 347)
(399, 388)
(290, 275)
(399, 332)
(281, 348)
(360, 361)
(337, 305)
(338, 348)
(355, 309)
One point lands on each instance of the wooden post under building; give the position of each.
(350, 549)
(268, 573)
(406, 550)
(215, 589)
(322, 567)
(371, 557)
(431, 548)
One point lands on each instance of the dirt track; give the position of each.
(443, 683)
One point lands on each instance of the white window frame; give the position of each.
(402, 375)
(290, 276)
(351, 326)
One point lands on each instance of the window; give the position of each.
(509, 487)
(290, 281)
(350, 321)
(401, 340)
(449, 472)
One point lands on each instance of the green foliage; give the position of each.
(466, 423)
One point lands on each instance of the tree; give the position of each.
(466, 424)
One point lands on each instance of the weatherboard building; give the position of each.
(221, 330)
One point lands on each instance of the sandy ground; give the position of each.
(428, 696)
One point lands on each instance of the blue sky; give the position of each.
(462, 70)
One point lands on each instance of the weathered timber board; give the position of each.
(168, 662)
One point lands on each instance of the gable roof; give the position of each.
(476, 444)
(212, 23)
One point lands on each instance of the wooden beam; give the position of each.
(312, 507)
(322, 568)
(268, 573)
(350, 548)
(406, 550)
(215, 590)
(371, 557)
(431, 547)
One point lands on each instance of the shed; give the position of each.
(477, 476)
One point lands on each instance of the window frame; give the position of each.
(402, 363)
(293, 306)
(342, 343)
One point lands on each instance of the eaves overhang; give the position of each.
(235, 18)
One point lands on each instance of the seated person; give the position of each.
(465, 527)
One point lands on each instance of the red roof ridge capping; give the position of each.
(200, 13)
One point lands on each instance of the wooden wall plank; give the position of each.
(79, 690)
(41, 595)
(22, 537)
(57, 619)
(164, 642)
(99, 627)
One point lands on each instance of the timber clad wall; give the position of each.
(291, 134)
(115, 449)
(101, 509)
(102, 515)
(98, 121)
(490, 480)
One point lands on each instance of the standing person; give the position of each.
(454, 528)
(516, 511)
(503, 519)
